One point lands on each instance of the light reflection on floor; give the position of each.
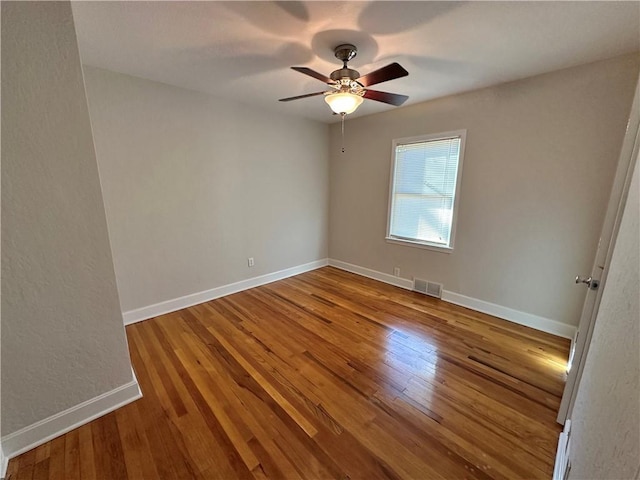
(556, 363)
(414, 357)
(416, 354)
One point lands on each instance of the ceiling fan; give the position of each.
(348, 88)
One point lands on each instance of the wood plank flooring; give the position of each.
(324, 375)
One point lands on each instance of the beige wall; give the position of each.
(2, 457)
(62, 336)
(539, 163)
(605, 433)
(194, 185)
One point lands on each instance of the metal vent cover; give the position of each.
(428, 288)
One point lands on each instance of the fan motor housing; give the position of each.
(346, 72)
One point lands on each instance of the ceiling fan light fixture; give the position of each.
(343, 102)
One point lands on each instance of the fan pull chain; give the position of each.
(343, 115)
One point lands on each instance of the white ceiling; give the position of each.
(242, 50)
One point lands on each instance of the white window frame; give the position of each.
(462, 134)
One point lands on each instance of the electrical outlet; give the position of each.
(396, 271)
(250, 261)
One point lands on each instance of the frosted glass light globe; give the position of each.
(343, 102)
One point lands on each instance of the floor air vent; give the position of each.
(428, 288)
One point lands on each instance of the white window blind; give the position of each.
(424, 186)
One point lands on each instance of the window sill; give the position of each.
(425, 246)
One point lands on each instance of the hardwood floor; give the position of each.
(324, 375)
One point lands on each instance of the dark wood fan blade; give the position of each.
(384, 97)
(314, 74)
(300, 96)
(391, 71)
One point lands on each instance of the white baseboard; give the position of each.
(4, 462)
(374, 274)
(516, 316)
(144, 313)
(41, 432)
(562, 453)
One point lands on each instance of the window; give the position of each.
(425, 180)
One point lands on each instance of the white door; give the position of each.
(594, 281)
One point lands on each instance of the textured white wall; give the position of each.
(193, 185)
(540, 158)
(2, 459)
(63, 341)
(605, 432)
